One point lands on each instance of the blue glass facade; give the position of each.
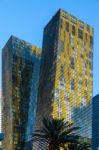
(1, 136)
(95, 123)
(33, 96)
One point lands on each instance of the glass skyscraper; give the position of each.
(20, 75)
(0, 113)
(95, 123)
(66, 75)
(61, 87)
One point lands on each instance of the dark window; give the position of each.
(90, 65)
(82, 56)
(62, 69)
(72, 85)
(86, 36)
(66, 97)
(72, 62)
(73, 30)
(80, 33)
(91, 41)
(61, 23)
(62, 73)
(85, 94)
(90, 55)
(86, 82)
(81, 25)
(88, 28)
(67, 26)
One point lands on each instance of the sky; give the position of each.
(26, 19)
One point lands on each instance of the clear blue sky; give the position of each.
(27, 18)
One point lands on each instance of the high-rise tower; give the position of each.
(66, 76)
(0, 114)
(0, 111)
(95, 122)
(20, 75)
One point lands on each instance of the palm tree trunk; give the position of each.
(53, 147)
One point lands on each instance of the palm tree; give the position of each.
(85, 146)
(56, 132)
(73, 146)
(80, 146)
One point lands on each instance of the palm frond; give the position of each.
(56, 132)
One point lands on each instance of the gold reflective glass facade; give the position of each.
(66, 77)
